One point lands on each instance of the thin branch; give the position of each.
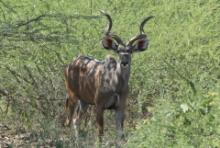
(31, 76)
(6, 93)
(36, 19)
(3, 13)
(7, 6)
(40, 17)
(13, 73)
(87, 17)
(17, 76)
(3, 92)
(191, 84)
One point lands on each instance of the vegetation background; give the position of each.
(174, 98)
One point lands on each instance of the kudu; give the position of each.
(102, 83)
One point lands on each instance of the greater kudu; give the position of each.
(103, 83)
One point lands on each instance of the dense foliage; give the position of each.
(174, 96)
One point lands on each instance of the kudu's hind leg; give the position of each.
(80, 111)
(100, 122)
(70, 106)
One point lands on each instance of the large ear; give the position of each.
(140, 43)
(110, 40)
(109, 43)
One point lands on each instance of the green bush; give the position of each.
(176, 81)
(190, 122)
(182, 78)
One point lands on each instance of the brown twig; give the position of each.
(36, 19)
(31, 76)
(7, 6)
(191, 84)
(6, 93)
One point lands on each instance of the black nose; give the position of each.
(124, 63)
(124, 59)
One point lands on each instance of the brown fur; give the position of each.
(96, 83)
(103, 83)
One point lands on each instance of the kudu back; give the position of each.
(102, 83)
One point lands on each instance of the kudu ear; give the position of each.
(140, 42)
(109, 43)
(110, 40)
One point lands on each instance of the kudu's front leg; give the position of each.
(120, 116)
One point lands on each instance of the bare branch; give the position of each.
(4, 92)
(8, 6)
(191, 84)
(3, 13)
(31, 76)
(8, 96)
(36, 19)
(17, 76)
(40, 17)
